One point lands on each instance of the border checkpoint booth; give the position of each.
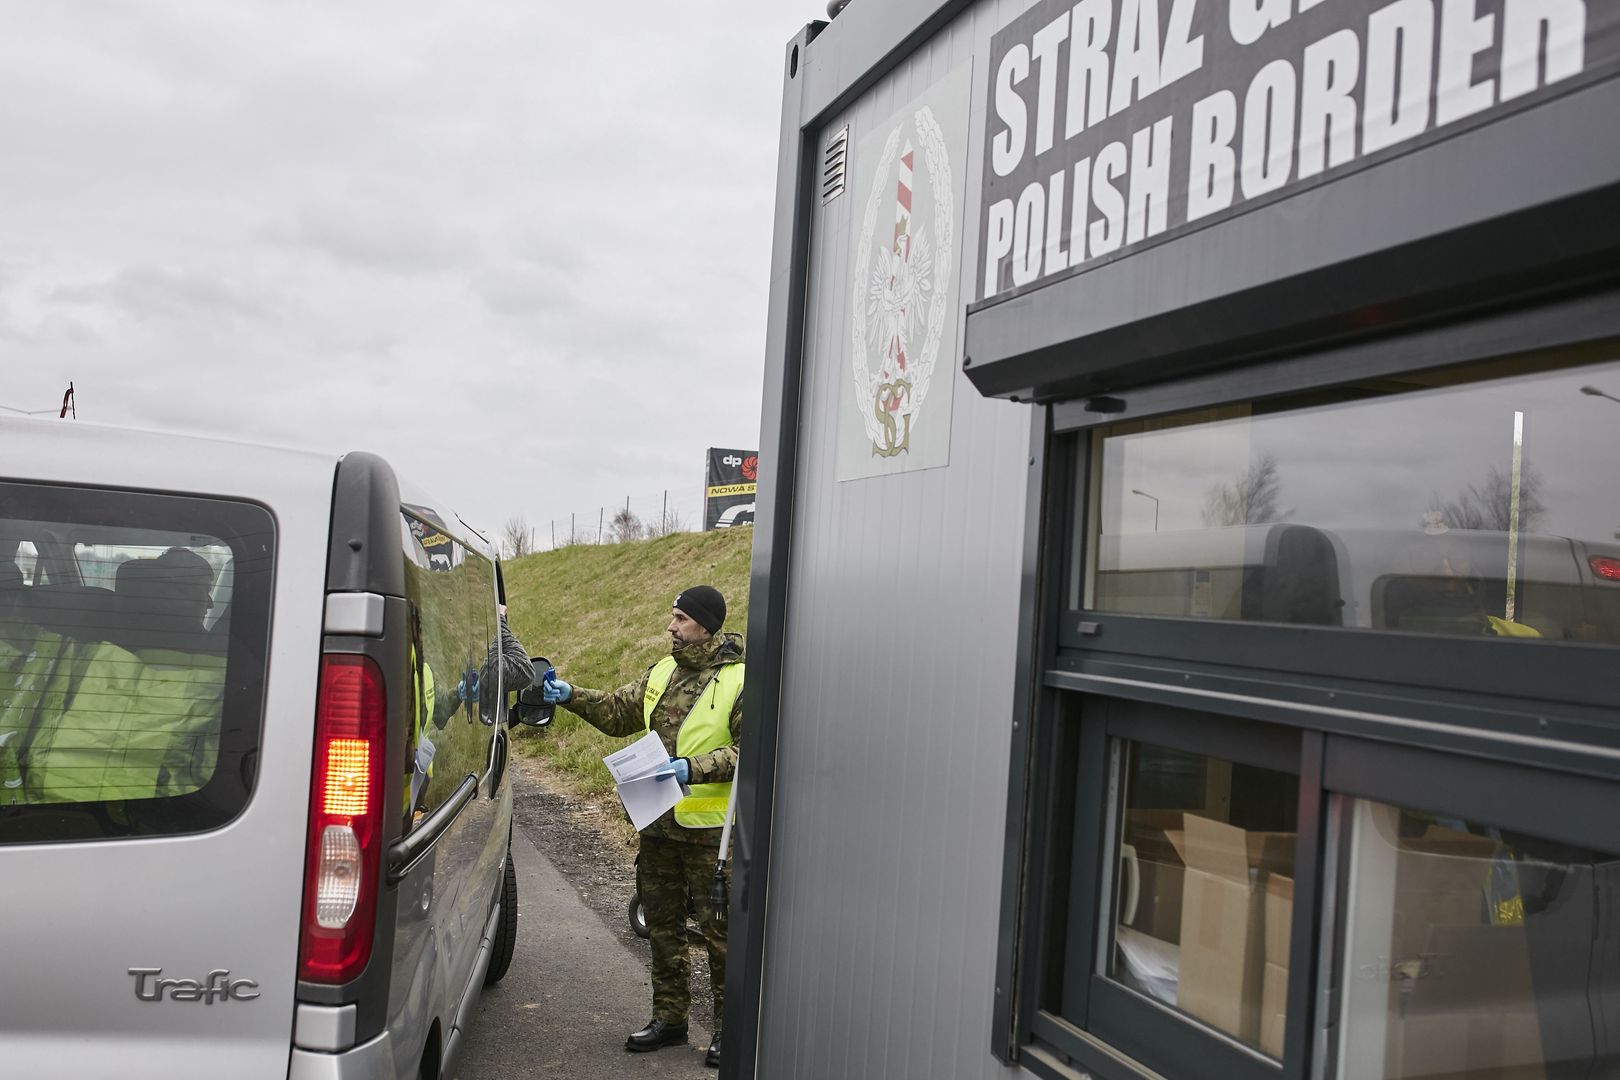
(1187, 547)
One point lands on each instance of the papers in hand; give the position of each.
(645, 794)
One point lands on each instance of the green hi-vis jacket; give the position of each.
(698, 715)
(93, 722)
(704, 730)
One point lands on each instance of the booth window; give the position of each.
(1479, 502)
(1247, 901)
(1270, 833)
(1171, 915)
(1473, 951)
(1206, 889)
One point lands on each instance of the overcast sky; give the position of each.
(520, 249)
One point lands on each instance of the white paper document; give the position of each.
(645, 796)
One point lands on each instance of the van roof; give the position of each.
(69, 450)
(81, 451)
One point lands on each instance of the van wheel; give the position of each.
(505, 927)
(638, 917)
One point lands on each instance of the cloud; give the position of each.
(520, 251)
(160, 293)
(519, 290)
(388, 237)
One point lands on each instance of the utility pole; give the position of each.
(601, 512)
(553, 534)
(1155, 499)
(663, 518)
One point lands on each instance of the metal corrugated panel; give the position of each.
(897, 693)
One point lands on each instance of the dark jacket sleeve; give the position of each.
(612, 712)
(517, 671)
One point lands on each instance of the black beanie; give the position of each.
(704, 605)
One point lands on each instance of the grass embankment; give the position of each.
(598, 614)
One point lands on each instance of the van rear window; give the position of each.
(133, 634)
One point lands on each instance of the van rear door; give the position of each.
(152, 823)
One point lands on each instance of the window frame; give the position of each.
(1559, 807)
(251, 531)
(470, 561)
(1093, 1008)
(1572, 674)
(1545, 712)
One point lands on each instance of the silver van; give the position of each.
(254, 814)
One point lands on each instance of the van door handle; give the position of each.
(407, 851)
(498, 768)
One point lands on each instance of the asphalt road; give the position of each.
(574, 991)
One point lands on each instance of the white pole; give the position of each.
(1513, 514)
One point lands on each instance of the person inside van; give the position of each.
(164, 602)
(119, 696)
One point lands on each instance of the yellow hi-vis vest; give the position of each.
(706, 727)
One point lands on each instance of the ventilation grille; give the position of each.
(834, 159)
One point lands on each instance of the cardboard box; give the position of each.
(1471, 1011)
(1441, 879)
(1462, 1002)
(1279, 917)
(1160, 871)
(1279, 923)
(1223, 919)
(1273, 1008)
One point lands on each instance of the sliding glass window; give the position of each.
(1328, 742)
(1473, 950)
(1206, 889)
(1473, 503)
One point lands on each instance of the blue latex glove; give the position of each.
(468, 686)
(553, 691)
(679, 768)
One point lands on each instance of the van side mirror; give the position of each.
(531, 709)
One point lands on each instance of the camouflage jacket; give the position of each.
(619, 713)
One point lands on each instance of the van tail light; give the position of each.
(344, 853)
(1604, 567)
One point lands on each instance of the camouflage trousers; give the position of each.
(667, 872)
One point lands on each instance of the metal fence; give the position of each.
(630, 517)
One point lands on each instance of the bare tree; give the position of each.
(1489, 506)
(1251, 499)
(517, 539)
(625, 526)
(670, 521)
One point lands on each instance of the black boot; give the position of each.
(712, 1058)
(658, 1033)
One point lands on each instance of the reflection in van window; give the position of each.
(114, 642)
(1485, 508)
(451, 592)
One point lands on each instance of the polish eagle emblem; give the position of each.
(902, 284)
